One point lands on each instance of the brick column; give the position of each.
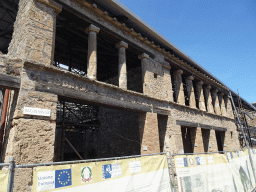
(213, 147)
(190, 91)
(208, 98)
(200, 95)
(222, 104)
(178, 89)
(149, 134)
(197, 140)
(215, 102)
(34, 31)
(167, 81)
(145, 73)
(92, 52)
(122, 72)
(229, 108)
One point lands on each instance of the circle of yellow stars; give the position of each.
(64, 183)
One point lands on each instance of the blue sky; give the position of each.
(220, 35)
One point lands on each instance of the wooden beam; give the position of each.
(91, 97)
(9, 82)
(186, 123)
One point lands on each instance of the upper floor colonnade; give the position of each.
(193, 92)
(175, 84)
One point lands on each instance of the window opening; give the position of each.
(206, 138)
(187, 139)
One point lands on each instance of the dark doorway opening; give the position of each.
(220, 136)
(162, 126)
(187, 139)
(206, 138)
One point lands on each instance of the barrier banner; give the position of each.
(4, 175)
(242, 168)
(213, 172)
(253, 153)
(140, 174)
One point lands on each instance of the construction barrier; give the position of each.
(4, 175)
(145, 173)
(229, 172)
(5, 184)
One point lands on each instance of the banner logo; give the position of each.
(62, 178)
(111, 170)
(86, 174)
(48, 180)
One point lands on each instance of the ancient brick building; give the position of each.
(108, 85)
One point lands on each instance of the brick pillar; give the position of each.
(229, 108)
(34, 31)
(197, 140)
(222, 104)
(213, 147)
(208, 98)
(32, 138)
(122, 72)
(149, 134)
(167, 81)
(145, 73)
(215, 102)
(200, 95)
(190, 91)
(178, 89)
(92, 52)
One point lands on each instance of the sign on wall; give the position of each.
(36, 111)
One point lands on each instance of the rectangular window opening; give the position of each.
(187, 139)
(206, 138)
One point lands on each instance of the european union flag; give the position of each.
(63, 178)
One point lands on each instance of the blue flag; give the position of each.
(63, 178)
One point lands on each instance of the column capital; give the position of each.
(208, 86)
(56, 6)
(179, 71)
(143, 55)
(190, 78)
(221, 93)
(166, 65)
(200, 83)
(227, 96)
(215, 90)
(92, 28)
(122, 44)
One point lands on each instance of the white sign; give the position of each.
(45, 180)
(210, 159)
(135, 167)
(37, 111)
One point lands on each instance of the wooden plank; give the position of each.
(9, 82)
(219, 128)
(161, 111)
(186, 123)
(91, 97)
(204, 126)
